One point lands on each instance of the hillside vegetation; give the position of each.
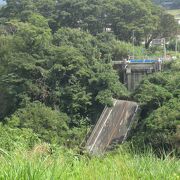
(56, 77)
(51, 63)
(159, 97)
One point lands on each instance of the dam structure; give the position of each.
(115, 122)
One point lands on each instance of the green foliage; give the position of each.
(50, 125)
(78, 81)
(152, 94)
(160, 129)
(113, 49)
(21, 80)
(15, 138)
(120, 17)
(38, 21)
(175, 66)
(68, 165)
(48, 54)
(32, 38)
(61, 75)
(160, 116)
(84, 42)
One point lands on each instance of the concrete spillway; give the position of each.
(113, 125)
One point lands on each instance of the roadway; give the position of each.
(113, 125)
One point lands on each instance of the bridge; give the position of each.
(115, 122)
(112, 126)
(133, 70)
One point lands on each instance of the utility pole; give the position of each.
(133, 38)
(176, 47)
(164, 40)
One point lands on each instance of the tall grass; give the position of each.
(22, 165)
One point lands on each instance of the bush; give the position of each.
(13, 138)
(50, 125)
(160, 129)
(117, 50)
(159, 121)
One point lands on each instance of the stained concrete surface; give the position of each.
(113, 125)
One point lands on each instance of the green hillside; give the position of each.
(57, 75)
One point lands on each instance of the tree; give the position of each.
(34, 36)
(20, 9)
(50, 125)
(166, 27)
(160, 129)
(69, 75)
(83, 41)
(158, 124)
(21, 81)
(120, 17)
(69, 13)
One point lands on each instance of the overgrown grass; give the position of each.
(34, 165)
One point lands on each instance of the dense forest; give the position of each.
(56, 74)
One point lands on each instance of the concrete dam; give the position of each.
(115, 122)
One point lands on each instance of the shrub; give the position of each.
(13, 138)
(50, 125)
(159, 120)
(160, 129)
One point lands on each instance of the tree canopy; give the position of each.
(56, 73)
(121, 17)
(159, 96)
(68, 71)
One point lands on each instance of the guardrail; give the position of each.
(143, 61)
(137, 61)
